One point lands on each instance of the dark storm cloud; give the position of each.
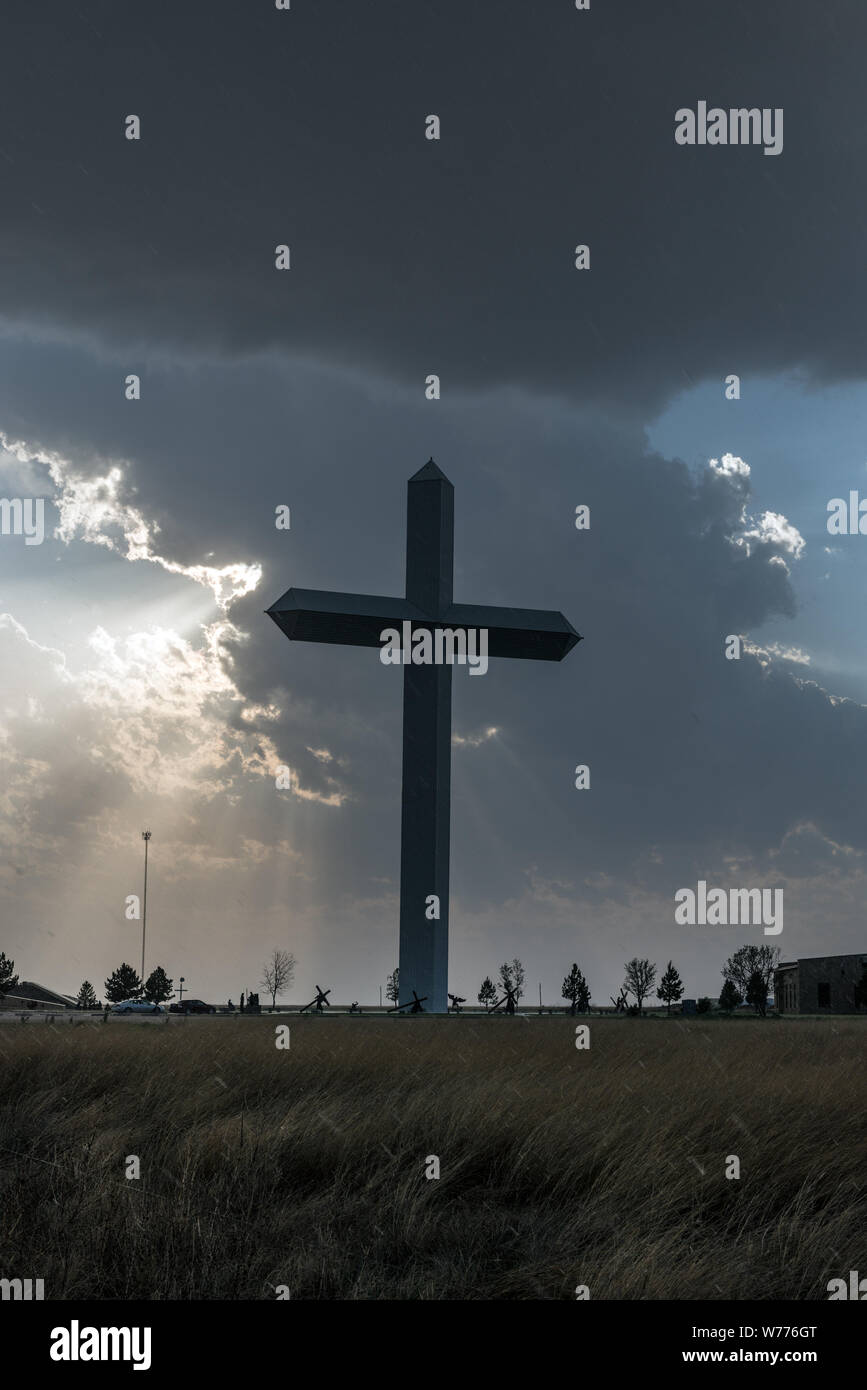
(696, 761)
(307, 127)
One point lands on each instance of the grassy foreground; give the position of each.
(559, 1167)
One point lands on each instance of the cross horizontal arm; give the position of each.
(533, 633)
(318, 615)
(356, 620)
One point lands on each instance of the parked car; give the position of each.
(137, 1006)
(192, 1006)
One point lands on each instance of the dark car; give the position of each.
(192, 1006)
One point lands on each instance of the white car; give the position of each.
(136, 1006)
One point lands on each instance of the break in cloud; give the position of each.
(152, 714)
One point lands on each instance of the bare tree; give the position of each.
(278, 974)
(518, 977)
(640, 975)
(750, 960)
(512, 977)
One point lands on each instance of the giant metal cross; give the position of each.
(311, 615)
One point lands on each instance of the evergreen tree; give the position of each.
(729, 997)
(488, 992)
(577, 991)
(518, 977)
(123, 984)
(158, 986)
(582, 1003)
(740, 967)
(8, 978)
(87, 996)
(670, 987)
(392, 987)
(757, 992)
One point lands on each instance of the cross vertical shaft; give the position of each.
(427, 751)
(313, 615)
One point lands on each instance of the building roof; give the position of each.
(850, 955)
(804, 960)
(28, 989)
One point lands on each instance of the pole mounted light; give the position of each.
(146, 834)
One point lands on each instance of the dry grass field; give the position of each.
(559, 1167)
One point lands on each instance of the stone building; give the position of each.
(818, 984)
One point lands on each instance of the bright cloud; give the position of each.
(474, 740)
(773, 529)
(729, 466)
(765, 654)
(92, 509)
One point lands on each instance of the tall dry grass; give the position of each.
(559, 1167)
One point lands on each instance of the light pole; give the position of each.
(146, 834)
(181, 991)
